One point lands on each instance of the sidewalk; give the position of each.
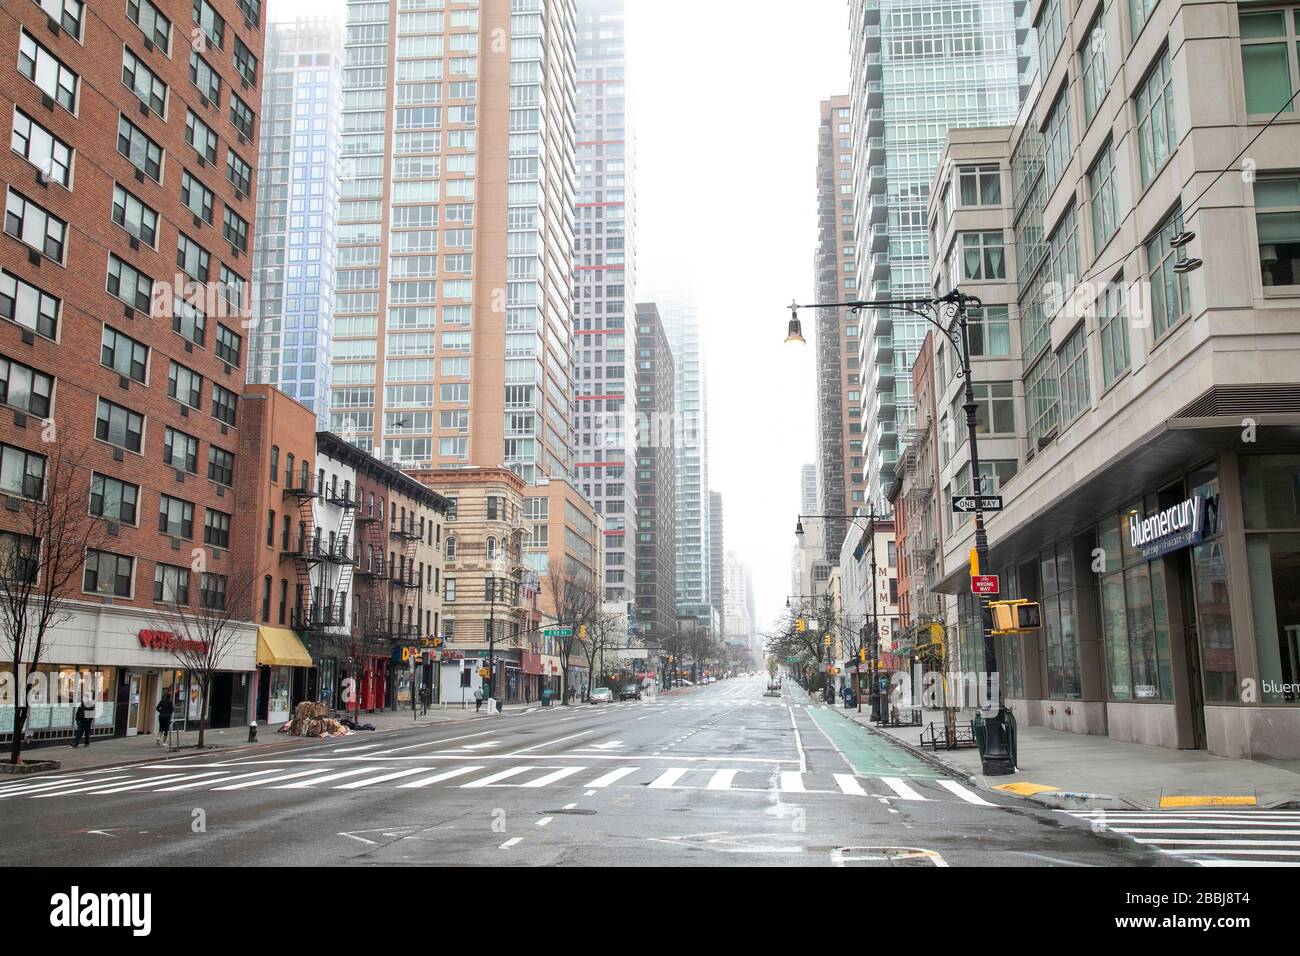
(1076, 771)
(119, 751)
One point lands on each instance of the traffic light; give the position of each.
(862, 655)
(800, 626)
(1010, 616)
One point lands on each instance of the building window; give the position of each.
(181, 451)
(1072, 368)
(35, 227)
(1101, 193)
(1112, 325)
(1134, 615)
(1056, 139)
(990, 333)
(144, 154)
(24, 388)
(129, 284)
(34, 143)
(980, 185)
(1270, 49)
(982, 255)
(1272, 513)
(1170, 293)
(28, 306)
(221, 466)
(22, 473)
(119, 426)
(155, 27)
(1051, 32)
(1157, 131)
(1094, 69)
(107, 573)
(1063, 261)
(225, 404)
(175, 517)
(229, 344)
(184, 385)
(113, 500)
(216, 529)
(48, 72)
(144, 83)
(171, 585)
(1277, 219)
(1042, 396)
(449, 589)
(1061, 623)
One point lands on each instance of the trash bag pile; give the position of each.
(313, 720)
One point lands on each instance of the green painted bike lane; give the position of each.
(868, 753)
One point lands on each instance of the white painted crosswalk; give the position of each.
(365, 775)
(1244, 837)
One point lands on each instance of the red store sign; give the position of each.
(167, 641)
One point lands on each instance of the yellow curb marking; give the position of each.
(1208, 801)
(1024, 789)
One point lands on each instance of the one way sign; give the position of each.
(969, 504)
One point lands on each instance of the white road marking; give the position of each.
(308, 784)
(486, 743)
(569, 806)
(952, 786)
(494, 777)
(792, 781)
(358, 784)
(204, 783)
(544, 820)
(149, 783)
(590, 793)
(722, 780)
(509, 843)
(439, 777)
(287, 776)
(548, 743)
(606, 779)
(31, 787)
(554, 776)
(666, 779)
(803, 758)
(81, 789)
(901, 788)
(849, 784)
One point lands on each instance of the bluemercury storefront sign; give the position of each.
(1172, 528)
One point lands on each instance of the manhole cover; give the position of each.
(569, 813)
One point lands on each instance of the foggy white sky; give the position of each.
(726, 96)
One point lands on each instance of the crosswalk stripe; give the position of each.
(952, 786)
(369, 781)
(722, 780)
(849, 784)
(553, 777)
(666, 779)
(171, 778)
(257, 783)
(1246, 863)
(312, 781)
(1193, 831)
(205, 783)
(494, 777)
(80, 789)
(1235, 851)
(34, 787)
(1212, 843)
(901, 788)
(438, 777)
(792, 781)
(604, 780)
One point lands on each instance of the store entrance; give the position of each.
(1188, 684)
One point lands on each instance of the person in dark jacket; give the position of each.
(165, 710)
(84, 718)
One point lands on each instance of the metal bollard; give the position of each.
(252, 732)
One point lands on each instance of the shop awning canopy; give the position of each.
(1175, 444)
(280, 647)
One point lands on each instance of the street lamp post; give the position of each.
(996, 756)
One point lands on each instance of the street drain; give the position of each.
(569, 813)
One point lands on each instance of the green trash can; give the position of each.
(546, 697)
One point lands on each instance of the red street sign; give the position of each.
(984, 584)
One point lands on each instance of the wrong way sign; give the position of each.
(984, 584)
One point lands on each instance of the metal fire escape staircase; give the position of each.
(402, 575)
(302, 549)
(344, 551)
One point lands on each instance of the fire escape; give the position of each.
(402, 576)
(921, 540)
(371, 569)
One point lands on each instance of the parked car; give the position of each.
(630, 692)
(602, 695)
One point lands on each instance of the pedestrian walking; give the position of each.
(425, 694)
(85, 716)
(478, 699)
(165, 710)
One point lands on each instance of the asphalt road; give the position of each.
(717, 775)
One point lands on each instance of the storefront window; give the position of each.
(1270, 493)
(277, 708)
(1134, 613)
(1213, 614)
(1060, 623)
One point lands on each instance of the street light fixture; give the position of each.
(795, 331)
(996, 756)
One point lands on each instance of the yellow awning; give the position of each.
(280, 647)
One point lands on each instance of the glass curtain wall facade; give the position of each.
(604, 305)
(454, 282)
(297, 213)
(917, 70)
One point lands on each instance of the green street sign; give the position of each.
(557, 632)
(792, 660)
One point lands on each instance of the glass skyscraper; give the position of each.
(918, 68)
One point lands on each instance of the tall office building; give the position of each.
(716, 563)
(808, 499)
(656, 478)
(681, 321)
(737, 611)
(840, 454)
(916, 71)
(297, 212)
(454, 281)
(605, 267)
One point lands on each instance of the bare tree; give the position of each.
(201, 635)
(601, 637)
(43, 546)
(574, 603)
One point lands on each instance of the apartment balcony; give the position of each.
(886, 434)
(871, 62)
(876, 182)
(878, 267)
(878, 209)
(884, 321)
(371, 570)
(878, 239)
(883, 377)
(875, 150)
(882, 350)
(875, 123)
(405, 531)
(875, 94)
(871, 38)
